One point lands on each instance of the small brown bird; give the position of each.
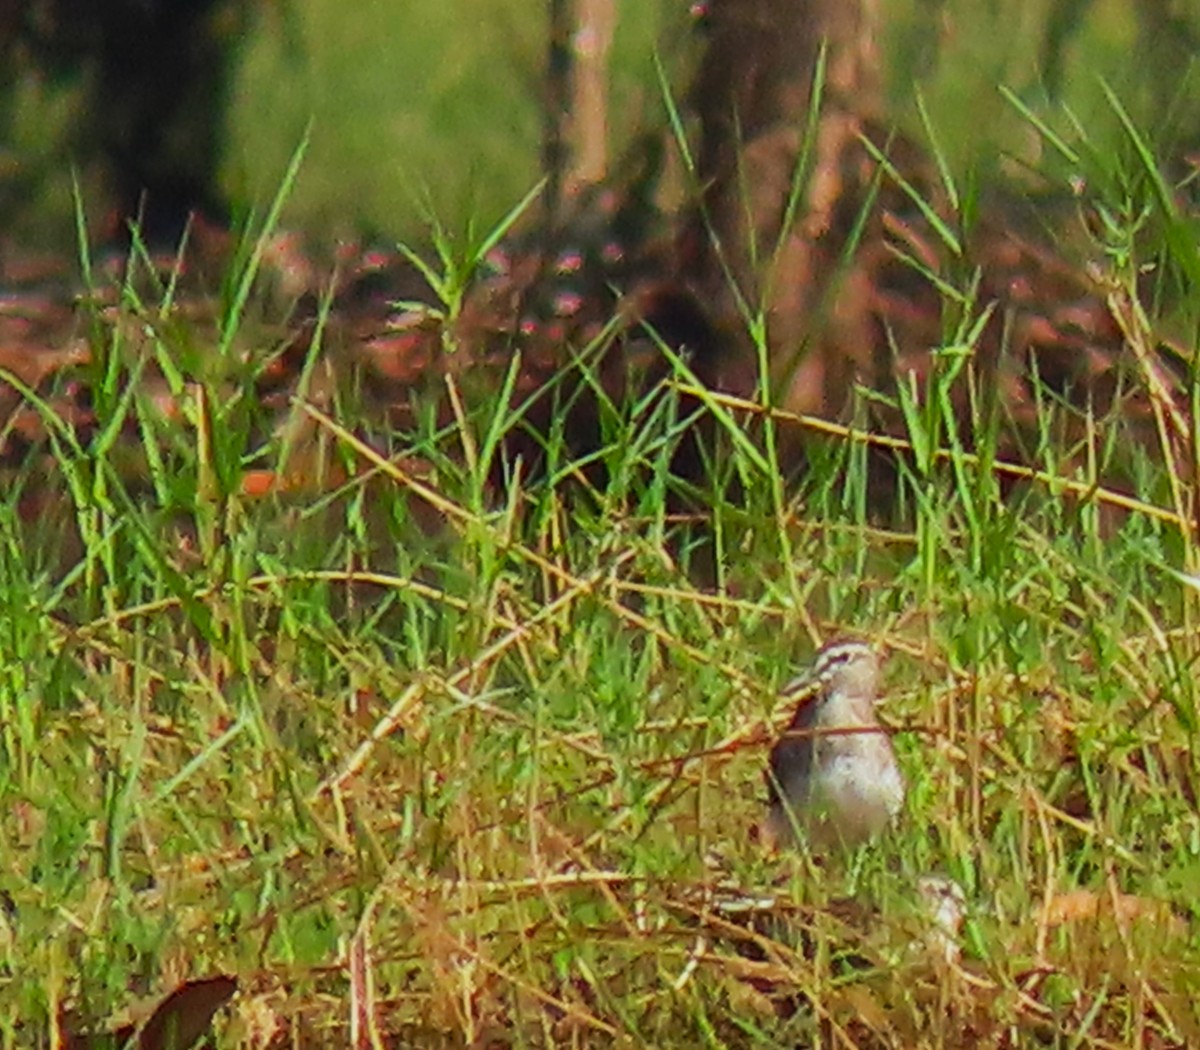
(833, 775)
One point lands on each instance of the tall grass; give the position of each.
(495, 723)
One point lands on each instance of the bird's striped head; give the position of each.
(846, 667)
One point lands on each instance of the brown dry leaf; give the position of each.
(1084, 905)
(185, 1015)
(176, 1023)
(33, 365)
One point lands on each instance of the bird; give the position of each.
(944, 907)
(833, 776)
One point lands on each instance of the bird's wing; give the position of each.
(791, 761)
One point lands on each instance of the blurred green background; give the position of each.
(422, 104)
(418, 103)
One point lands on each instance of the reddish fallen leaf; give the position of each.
(256, 483)
(402, 357)
(32, 364)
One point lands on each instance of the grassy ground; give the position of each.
(490, 731)
(500, 735)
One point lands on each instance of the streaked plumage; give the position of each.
(833, 774)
